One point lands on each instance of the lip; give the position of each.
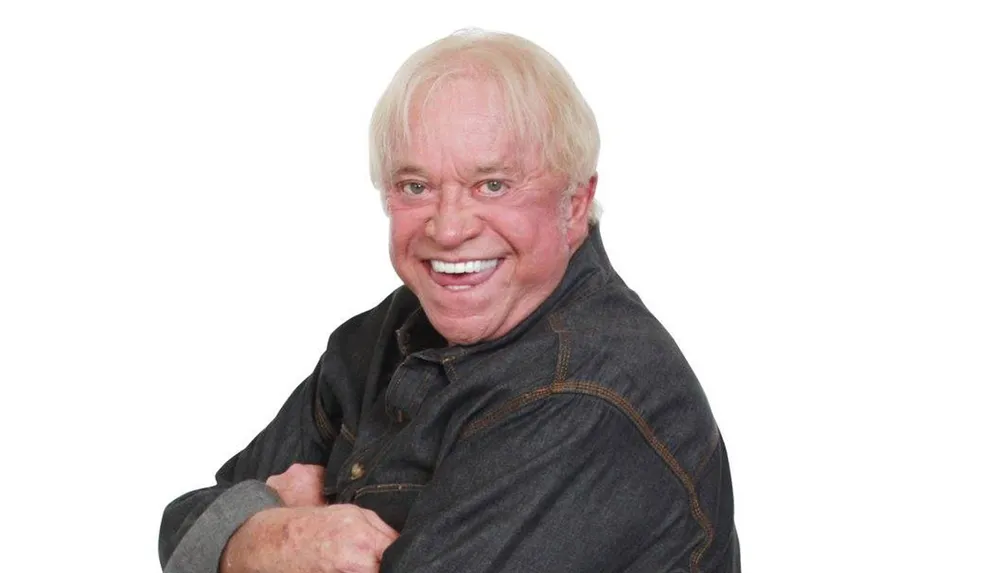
(467, 280)
(459, 259)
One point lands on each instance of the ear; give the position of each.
(578, 218)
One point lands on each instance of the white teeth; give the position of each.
(474, 266)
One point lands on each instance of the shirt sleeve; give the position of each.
(201, 547)
(562, 484)
(200, 522)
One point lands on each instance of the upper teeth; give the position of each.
(463, 267)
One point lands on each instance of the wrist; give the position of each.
(250, 546)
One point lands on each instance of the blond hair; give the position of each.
(544, 106)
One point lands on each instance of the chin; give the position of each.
(464, 317)
(459, 331)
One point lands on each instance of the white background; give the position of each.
(804, 194)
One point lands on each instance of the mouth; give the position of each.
(462, 275)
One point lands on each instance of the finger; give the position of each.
(375, 521)
(381, 542)
(317, 473)
(310, 469)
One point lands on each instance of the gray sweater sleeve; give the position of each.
(240, 491)
(201, 547)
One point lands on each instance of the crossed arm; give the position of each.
(564, 485)
(306, 534)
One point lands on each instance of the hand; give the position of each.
(301, 485)
(339, 538)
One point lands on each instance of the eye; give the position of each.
(493, 187)
(413, 188)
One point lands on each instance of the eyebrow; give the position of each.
(410, 170)
(486, 169)
(492, 168)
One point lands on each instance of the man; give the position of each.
(513, 407)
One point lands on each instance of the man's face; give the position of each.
(480, 229)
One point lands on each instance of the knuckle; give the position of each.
(348, 510)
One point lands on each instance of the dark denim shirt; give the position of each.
(579, 441)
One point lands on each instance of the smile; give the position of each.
(462, 267)
(462, 275)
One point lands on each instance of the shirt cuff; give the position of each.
(201, 547)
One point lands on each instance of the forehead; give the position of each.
(456, 100)
(463, 122)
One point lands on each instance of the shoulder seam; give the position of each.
(661, 449)
(638, 421)
(561, 385)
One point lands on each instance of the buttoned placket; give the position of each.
(393, 409)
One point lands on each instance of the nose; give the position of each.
(454, 220)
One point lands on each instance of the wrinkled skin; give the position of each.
(307, 534)
(465, 189)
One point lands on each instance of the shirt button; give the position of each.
(357, 470)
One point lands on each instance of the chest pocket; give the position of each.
(392, 502)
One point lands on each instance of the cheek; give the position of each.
(546, 222)
(403, 224)
(400, 235)
(535, 235)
